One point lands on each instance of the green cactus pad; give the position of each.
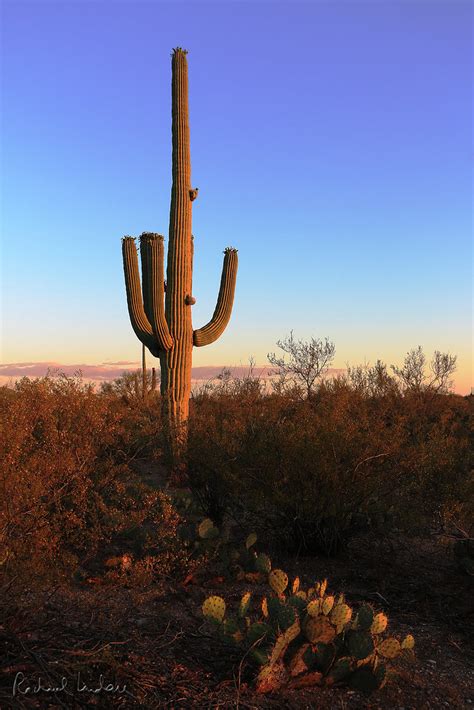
(207, 529)
(297, 602)
(271, 677)
(296, 585)
(263, 563)
(298, 663)
(286, 616)
(322, 588)
(408, 643)
(244, 604)
(251, 540)
(323, 656)
(258, 632)
(359, 644)
(230, 626)
(282, 642)
(389, 648)
(259, 656)
(365, 617)
(379, 624)
(340, 670)
(309, 655)
(231, 631)
(273, 608)
(278, 581)
(214, 608)
(327, 604)
(314, 607)
(319, 630)
(341, 614)
(366, 679)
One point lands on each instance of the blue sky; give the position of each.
(331, 143)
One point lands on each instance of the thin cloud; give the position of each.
(112, 370)
(40, 369)
(121, 362)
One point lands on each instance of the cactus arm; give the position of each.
(216, 326)
(145, 280)
(152, 256)
(140, 322)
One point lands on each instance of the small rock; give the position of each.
(433, 663)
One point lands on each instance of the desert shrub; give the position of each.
(315, 472)
(68, 492)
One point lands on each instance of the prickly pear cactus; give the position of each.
(278, 581)
(340, 616)
(367, 679)
(327, 605)
(250, 541)
(244, 605)
(271, 677)
(319, 629)
(296, 585)
(379, 624)
(257, 632)
(301, 638)
(389, 648)
(214, 608)
(340, 671)
(314, 607)
(263, 563)
(297, 601)
(207, 530)
(359, 644)
(299, 663)
(283, 640)
(365, 617)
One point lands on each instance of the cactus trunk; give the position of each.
(164, 325)
(176, 363)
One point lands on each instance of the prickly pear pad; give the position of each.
(278, 581)
(214, 608)
(379, 624)
(389, 648)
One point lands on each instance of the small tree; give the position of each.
(413, 376)
(308, 361)
(372, 380)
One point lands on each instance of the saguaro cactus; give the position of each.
(162, 321)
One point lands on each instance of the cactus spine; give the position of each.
(163, 324)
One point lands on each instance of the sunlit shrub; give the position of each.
(316, 472)
(67, 488)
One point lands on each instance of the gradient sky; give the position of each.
(330, 141)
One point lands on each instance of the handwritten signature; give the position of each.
(22, 686)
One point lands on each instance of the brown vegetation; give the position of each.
(98, 572)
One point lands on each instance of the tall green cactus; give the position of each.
(163, 322)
